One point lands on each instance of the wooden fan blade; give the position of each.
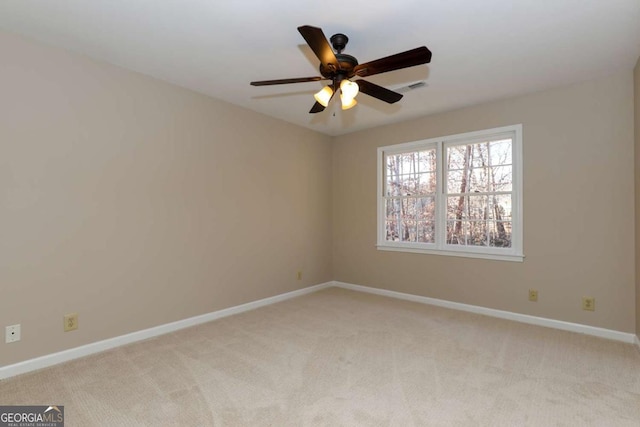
(410, 58)
(317, 107)
(287, 81)
(318, 43)
(378, 92)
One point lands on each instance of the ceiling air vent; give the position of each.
(411, 86)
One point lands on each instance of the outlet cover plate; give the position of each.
(70, 322)
(589, 303)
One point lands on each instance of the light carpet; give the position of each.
(344, 358)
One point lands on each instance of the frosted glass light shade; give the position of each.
(348, 88)
(347, 102)
(324, 96)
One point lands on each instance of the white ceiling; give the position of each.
(482, 50)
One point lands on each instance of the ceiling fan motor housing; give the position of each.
(346, 63)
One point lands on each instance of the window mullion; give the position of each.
(380, 189)
(441, 202)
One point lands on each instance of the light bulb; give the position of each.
(349, 88)
(324, 96)
(347, 102)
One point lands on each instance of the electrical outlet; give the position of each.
(70, 322)
(12, 334)
(589, 303)
(299, 275)
(533, 295)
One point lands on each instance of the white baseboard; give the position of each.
(523, 318)
(86, 350)
(96, 347)
(638, 341)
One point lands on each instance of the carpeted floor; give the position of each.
(343, 358)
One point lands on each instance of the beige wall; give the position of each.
(136, 203)
(578, 208)
(636, 79)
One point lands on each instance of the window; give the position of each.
(457, 195)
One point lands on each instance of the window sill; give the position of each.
(464, 254)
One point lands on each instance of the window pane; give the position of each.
(409, 223)
(426, 232)
(500, 234)
(500, 208)
(456, 232)
(477, 233)
(408, 184)
(392, 230)
(456, 157)
(392, 189)
(501, 178)
(478, 180)
(454, 181)
(427, 161)
(477, 208)
(470, 233)
(427, 183)
(392, 176)
(426, 212)
(479, 154)
(456, 207)
(397, 175)
(393, 211)
(500, 152)
(393, 208)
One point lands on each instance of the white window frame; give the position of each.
(440, 247)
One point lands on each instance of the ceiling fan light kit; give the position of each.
(347, 102)
(348, 88)
(339, 68)
(324, 96)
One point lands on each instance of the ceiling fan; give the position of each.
(340, 68)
